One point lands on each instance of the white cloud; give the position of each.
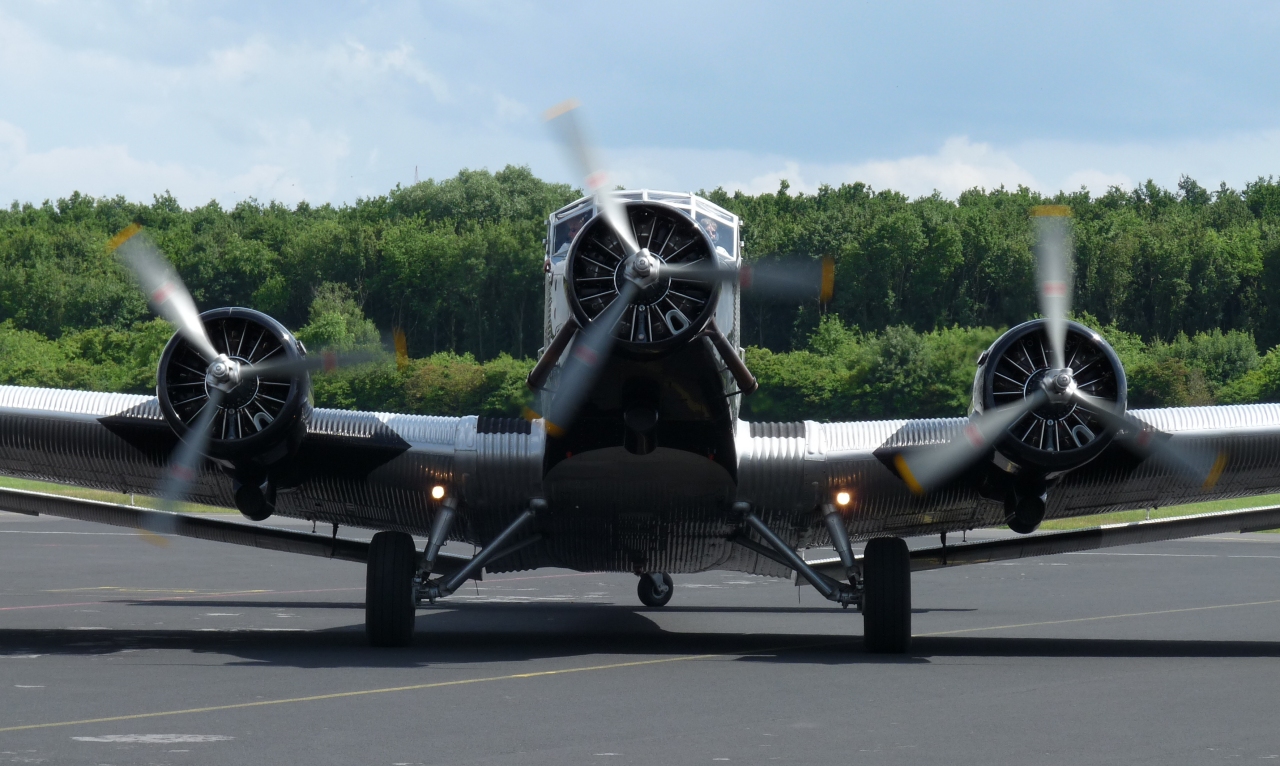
(958, 165)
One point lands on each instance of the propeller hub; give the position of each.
(1060, 385)
(644, 268)
(223, 374)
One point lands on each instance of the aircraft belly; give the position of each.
(666, 511)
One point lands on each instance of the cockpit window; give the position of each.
(565, 231)
(721, 235)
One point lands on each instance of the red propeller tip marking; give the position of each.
(182, 473)
(596, 181)
(974, 436)
(1055, 289)
(586, 356)
(162, 293)
(328, 361)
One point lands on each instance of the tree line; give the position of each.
(1185, 282)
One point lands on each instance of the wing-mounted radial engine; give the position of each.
(233, 384)
(1049, 396)
(255, 421)
(1058, 435)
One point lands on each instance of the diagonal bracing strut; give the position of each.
(830, 588)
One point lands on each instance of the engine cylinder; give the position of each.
(1054, 437)
(261, 421)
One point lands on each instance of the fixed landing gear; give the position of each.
(886, 596)
(397, 578)
(389, 608)
(655, 588)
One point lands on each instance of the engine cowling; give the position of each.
(667, 312)
(259, 423)
(1054, 437)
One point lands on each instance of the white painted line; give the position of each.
(156, 739)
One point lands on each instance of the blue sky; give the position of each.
(329, 103)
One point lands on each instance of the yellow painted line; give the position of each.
(367, 692)
(1094, 619)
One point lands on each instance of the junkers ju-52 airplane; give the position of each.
(636, 459)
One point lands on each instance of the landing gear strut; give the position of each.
(655, 588)
(396, 580)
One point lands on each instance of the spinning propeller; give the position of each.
(925, 470)
(170, 299)
(799, 279)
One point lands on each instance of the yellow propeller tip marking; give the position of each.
(563, 107)
(554, 429)
(402, 348)
(125, 234)
(154, 539)
(1050, 211)
(906, 474)
(828, 279)
(1215, 473)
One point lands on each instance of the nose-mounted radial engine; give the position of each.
(1049, 396)
(668, 307)
(655, 276)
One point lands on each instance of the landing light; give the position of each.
(437, 492)
(843, 497)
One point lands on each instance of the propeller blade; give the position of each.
(590, 351)
(165, 291)
(925, 470)
(324, 361)
(1201, 466)
(185, 463)
(595, 179)
(792, 279)
(1053, 269)
(796, 279)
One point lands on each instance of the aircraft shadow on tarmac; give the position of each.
(483, 633)
(509, 605)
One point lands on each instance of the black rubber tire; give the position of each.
(886, 604)
(649, 595)
(389, 611)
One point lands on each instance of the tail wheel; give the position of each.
(655, 588)
(389, 608)
(886, 605)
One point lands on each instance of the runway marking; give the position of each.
(1094, 619)
(181, 598)
(88, 533)
(1162, 555)
(387, 690)
(1175, 555)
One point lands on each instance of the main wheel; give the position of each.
(655, 588)
(389, 610)
(886, 604)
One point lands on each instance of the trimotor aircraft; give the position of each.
(633, 457)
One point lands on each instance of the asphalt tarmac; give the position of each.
(116, 651)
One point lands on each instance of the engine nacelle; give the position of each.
(666, 313)
(1055, 437)
(261, 422)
